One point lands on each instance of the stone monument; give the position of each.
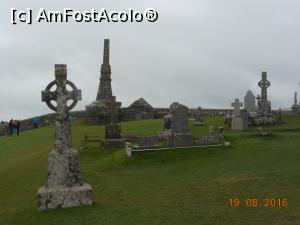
(99, 111)
(296, 106)
(180, 135)
(249, 101)
(113, 137)
(264, 113)
(237, 123)
(64, 186)
(166, 129)
(198, 115)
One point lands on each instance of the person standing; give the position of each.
(10, 128)
(18, 127)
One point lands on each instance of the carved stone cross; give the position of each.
(264, 84)
(237, 104)
(61, 82)
(64, 186)
(61, 95)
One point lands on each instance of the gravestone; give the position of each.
(245, 118)
(249, 101)
(113, 137)
(166, 129)
(198, 115)
(210, 139)
(180, 136)
(237, 122)
(211, 129)
(64, 186)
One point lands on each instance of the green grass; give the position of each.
(183, 187)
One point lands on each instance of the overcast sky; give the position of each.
(199, 52)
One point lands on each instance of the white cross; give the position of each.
(237, 104)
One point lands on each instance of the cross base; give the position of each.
(64, 197)
(237, 124)
(112, 143)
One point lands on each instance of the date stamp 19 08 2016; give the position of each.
(256, 202)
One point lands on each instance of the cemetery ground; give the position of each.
(184, 187)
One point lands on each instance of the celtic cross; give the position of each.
(61, 95)
(264, 84)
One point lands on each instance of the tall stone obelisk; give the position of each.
(104, 93)
(99, 111)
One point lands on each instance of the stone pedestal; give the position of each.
(180, 140)
(99, 112)
(64, 197)
(113, 143)
(113, 138)
(113, 131)
(237, 124)
(64, 187)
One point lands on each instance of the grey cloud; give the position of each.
(201, 53)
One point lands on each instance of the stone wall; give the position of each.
(27, 124)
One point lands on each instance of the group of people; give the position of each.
(13, 127)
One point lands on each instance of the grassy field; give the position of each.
(179, 187)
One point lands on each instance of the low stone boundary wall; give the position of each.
(27, 124)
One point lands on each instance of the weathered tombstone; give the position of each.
(211, 129)
(180, 136)
(166, 129)
(237, 122)
(209, 139)
(113, 137)
(148, 141)
(249, 101)
(245, 118)
(64, 187)
(198, 115)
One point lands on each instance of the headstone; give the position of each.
(211, 129)
(166, 129)
(210, 139)
(64, 187)
(198, 115)
(245, 118)
(180, 119)
(221, 130)
(180, 136)
(237, 122)
(249, 101)
(113, 137)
